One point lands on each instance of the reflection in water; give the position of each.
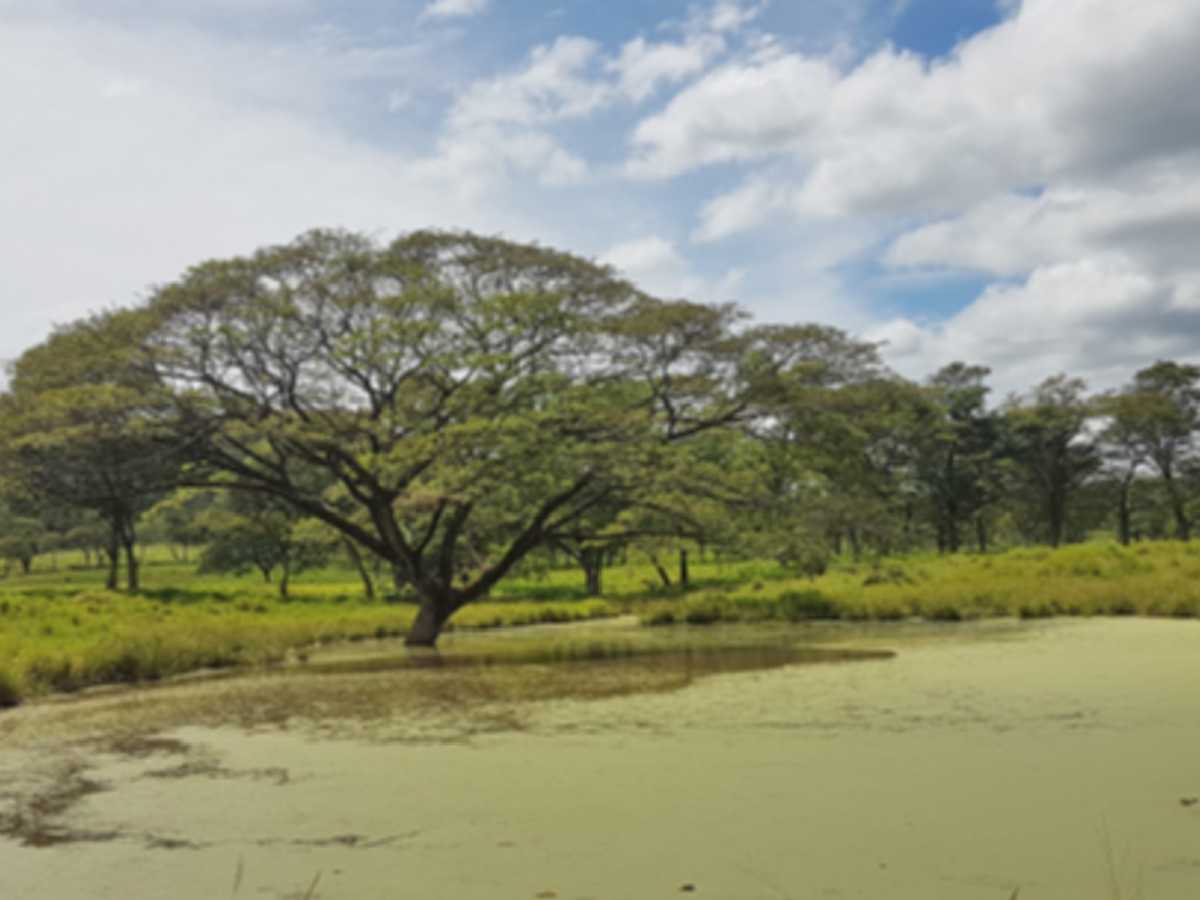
(1054, 758)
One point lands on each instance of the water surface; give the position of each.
(1058, 759)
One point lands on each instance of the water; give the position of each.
(1058, 759)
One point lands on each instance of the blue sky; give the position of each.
(1009, 183)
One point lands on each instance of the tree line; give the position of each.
(448, 408)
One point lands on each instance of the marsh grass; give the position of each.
(61, 631)
(1096, 579)
(64, 642)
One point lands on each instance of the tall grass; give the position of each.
(63, 642)
(60, 631)
(1161, 579)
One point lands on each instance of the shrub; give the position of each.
(808, 604)
(10, 689)
(659, 615)
(1037, 609)
(703, 611)
(887, 575)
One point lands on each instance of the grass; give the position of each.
(60, 631)
(1161, 579)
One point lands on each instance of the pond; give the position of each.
(1048, 761)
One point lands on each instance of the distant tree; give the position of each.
(957, 455)
(78, 428)
(1162, 412)
(22, 538)
(249, 531)
(176, 520)
(832, 447)
(1052, 448)
(1124, 451)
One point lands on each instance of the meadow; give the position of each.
(61, 631)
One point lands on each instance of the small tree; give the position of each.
(258, 532)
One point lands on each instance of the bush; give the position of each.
(659, 615)
(1037, 609)
(10, 689)
(703, 612)
(892, 574)
(809, 604)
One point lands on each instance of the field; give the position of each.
(60, 631)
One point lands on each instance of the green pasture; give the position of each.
(61, 631)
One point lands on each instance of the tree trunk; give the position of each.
(113, 550)
(427, 626)
(855, 543)
(953, 538)
(1124, 514)
(662, 573)
(1183, 525)
(981, 533)
(284, 577)
(357, 561)
(26, 564)
(1056, 515)
(132, 578)
(683, 568)
(592, 560)
(400, 579)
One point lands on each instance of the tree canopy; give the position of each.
(475, 398)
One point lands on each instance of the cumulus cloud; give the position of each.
(1057, 152)
(1064, 87)
(1153, 222)
(741, 111)
(642, 67)
(655, 265)
(1100, 319)
(572, 78)
(137, 155)
(557, 83)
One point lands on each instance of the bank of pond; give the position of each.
(60, 631)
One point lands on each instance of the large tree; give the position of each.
(474, 398)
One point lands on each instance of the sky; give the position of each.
(1012, 183)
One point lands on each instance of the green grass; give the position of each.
(1160, 579)
(60, 631)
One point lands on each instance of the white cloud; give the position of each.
(730, 15)
(751, 204)
(655, 265)
(1063, 88)
(643, 67)
(222, 147)
(558, 82)
(738, 112)
(1100, 319)
(1153, 222)
(447, 9)
(476, 159)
